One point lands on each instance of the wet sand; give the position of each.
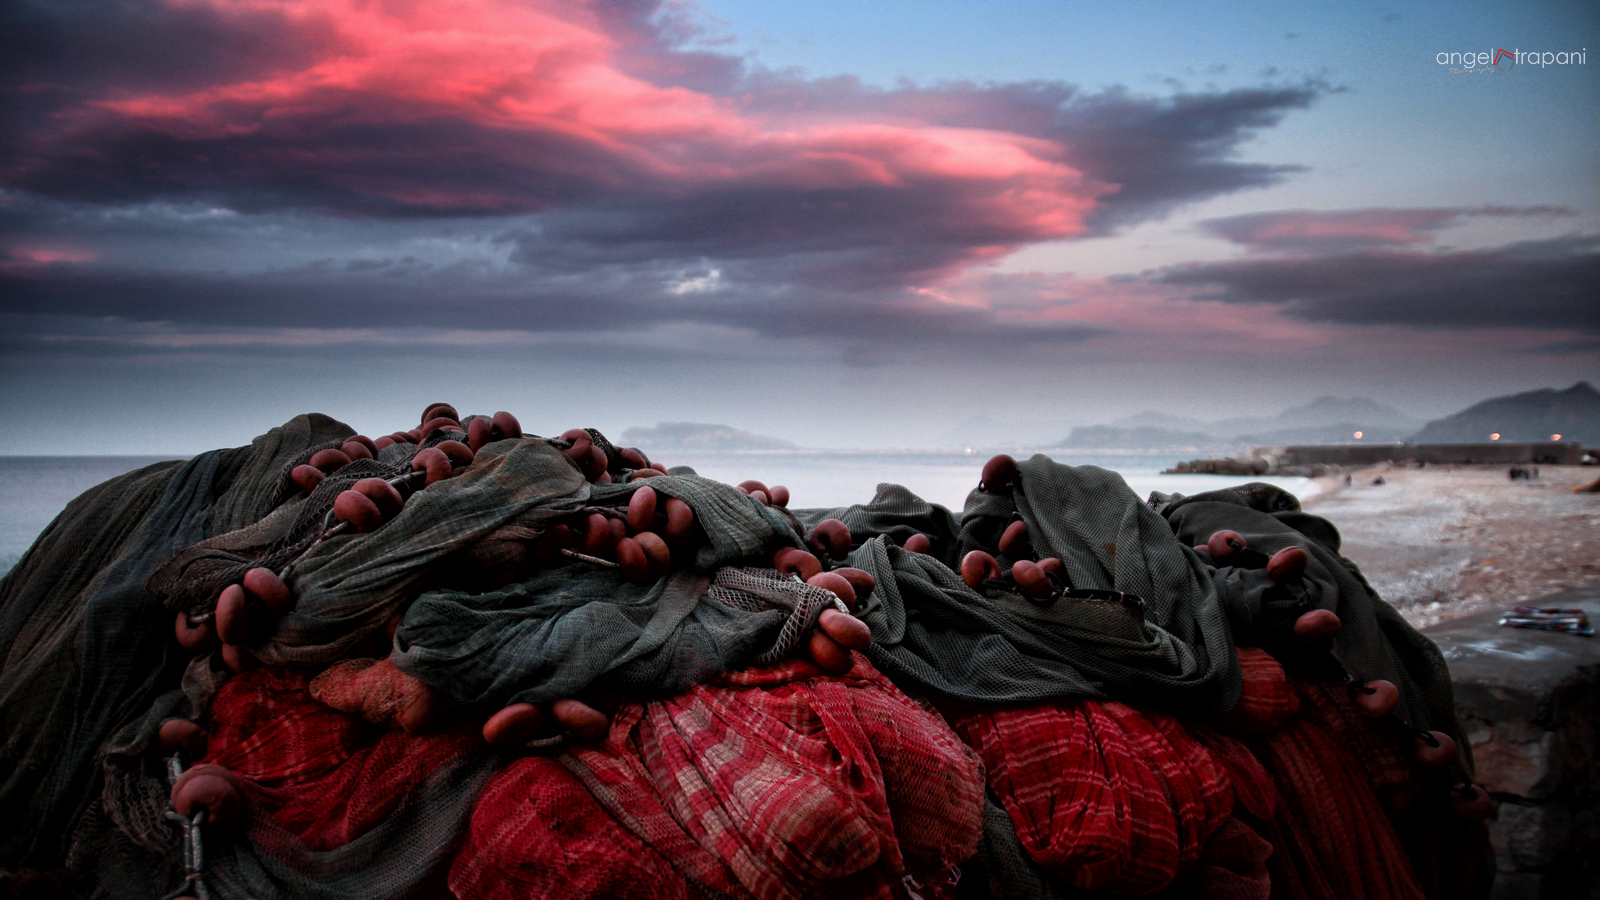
(1443, 542)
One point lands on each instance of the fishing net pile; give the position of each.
(467, 661)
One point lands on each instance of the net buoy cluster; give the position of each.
(651, 536)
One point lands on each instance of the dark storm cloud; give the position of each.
(834, 239)
(1311, 231)
(1161, 152)
(1171, 152)
(488, 108)
(438, 166)
(311, 107)
(53, 54)
(368, 294)
(410, 293)
(1550, 284)
(559, 168)
(38, 343)
(1575, 346)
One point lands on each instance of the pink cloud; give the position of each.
(1137, 319)
(1129, 309)
(47, 255)
(1298, 230)
(491, 106)
(26, 260)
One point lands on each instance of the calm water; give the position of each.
(34, 489)
(818, 479)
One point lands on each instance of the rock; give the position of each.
(1226, 466)
(1530, 704)
(1530, 836)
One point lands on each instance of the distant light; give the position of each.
(1358, 435)
(1555, 437)
(1495, 436)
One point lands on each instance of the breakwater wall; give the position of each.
(1569, 453)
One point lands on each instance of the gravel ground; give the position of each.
(1442, 542)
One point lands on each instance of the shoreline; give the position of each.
(1445, 541)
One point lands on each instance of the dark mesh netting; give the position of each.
(283, 532)
(736, 528)
(349, 585)
(895, 513)
(1374, 640)
(932, 630)
(148, 530)
(45, 604)
(85, 647)
(566, 629)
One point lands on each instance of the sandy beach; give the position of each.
(1442, 542)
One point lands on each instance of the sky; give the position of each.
(844, 224)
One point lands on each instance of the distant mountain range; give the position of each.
(1126, 437)
(1322, 421)
(680, 436)
(1533, 416)
(1573, 413)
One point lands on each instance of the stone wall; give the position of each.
(1567, 453)
(1530, 702)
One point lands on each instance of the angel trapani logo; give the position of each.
(1502, 60)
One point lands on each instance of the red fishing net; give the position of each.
(1102, 795)
(773, 783)
(322, 775)
(1337, 841)
(1380, 750)
(1232, 866)
(335, 806)
(1267, 702)
(780, 782)
(1330, 833)
(538, 832)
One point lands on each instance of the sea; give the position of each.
(35, 489)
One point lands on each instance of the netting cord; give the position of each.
(194, 858)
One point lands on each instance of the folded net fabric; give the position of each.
(538, 832)
(333, 806)
(85, 651)
(1332, 770)
(1301, 805)
(1100, 794)
(775, 782)
(565, 629)
(895, 513)
(933, 633)
(347, 588)
(1374, 640)
(47, 605)
(1337, 840)
(1450, 856)
(1267, 701)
